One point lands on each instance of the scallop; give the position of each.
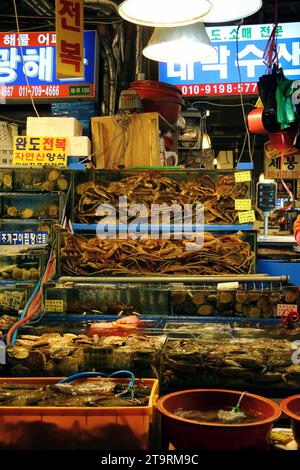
(262, 302)
(62, 184)
(7, 181)
(254, 312)
(205, 310)
(17, 274)
(52, 211)
(291, 296)
(225, 297)
(53, 175)
(241, 297)
(199, 298)
(48, 186)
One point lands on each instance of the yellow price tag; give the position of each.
(242, 176)
(247, 216)
(54, 306)
(243, 204)
(40, 151)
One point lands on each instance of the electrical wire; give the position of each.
(241, 95)
(22, 55)
(223, 105)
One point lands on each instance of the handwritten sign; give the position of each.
(242, 176)
(243, 204)
(246, 217)
(69, 38)
(11, 299)
(54, 305)
(284, 308)
(40, 151)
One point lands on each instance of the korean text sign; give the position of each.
(220, 75)
(43, 151)
(39, 51)
(69, 38)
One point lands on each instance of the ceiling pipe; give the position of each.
(98, 3)
(41, 7)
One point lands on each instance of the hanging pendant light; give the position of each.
(164, 13)
(180, 45)
(223, 11)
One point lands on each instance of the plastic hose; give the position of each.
(86, 375)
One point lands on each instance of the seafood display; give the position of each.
(109, 299)
(6, 181)
(202, 302)
(37, 180)
(226, 332)
(55, 354)
(19, 267)
(218, 197)
(100, 392)
(208, 301)
(226, 254)
(248, 364)
(262, 303)
(25, 206)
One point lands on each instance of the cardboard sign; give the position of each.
(246, 217)
(242, 176)
(54, 306)
(284, 308)
(40, 151)
(243, 204)
(69, 38)
(11, 299)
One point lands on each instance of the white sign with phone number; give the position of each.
(283, 308)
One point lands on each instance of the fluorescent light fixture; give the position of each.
(223, 11)
(180, 45)
(164, 13)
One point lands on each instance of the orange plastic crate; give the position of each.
(113, 428)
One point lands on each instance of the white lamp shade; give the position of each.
(180, 45)
(223, 11)
(164, 13)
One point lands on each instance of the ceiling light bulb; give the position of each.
(164, 13)
(223, 11)
(180, 45)
(206, 142)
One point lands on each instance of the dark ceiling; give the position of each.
(225, 125)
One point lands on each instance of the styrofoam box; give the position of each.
(53, 127)
(79, 146)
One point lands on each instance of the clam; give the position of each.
(26, 213)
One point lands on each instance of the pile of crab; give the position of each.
(227, 254)
(218, 197)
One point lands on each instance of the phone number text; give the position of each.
(219, 89)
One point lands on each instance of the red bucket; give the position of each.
(184, 433)
(291, 407)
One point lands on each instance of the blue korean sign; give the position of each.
(24, 238)
(220, 76)
(39, 64)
